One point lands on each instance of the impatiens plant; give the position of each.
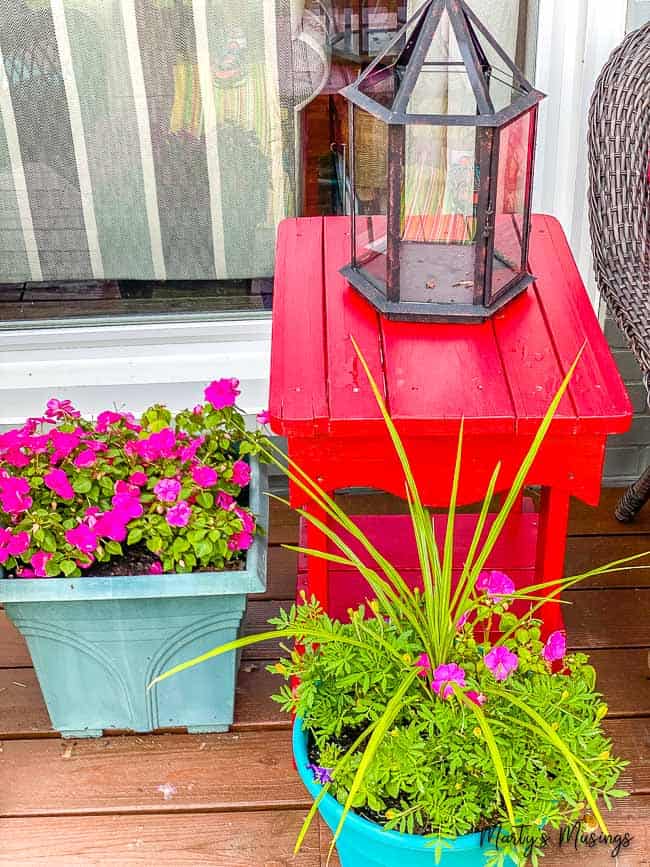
(439, 710)
(166, 490)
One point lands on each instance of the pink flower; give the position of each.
(86, 458)
(91, 514)
(423, 664)
(179, 515)
(198, 409)
(17, 458)
(112, 525)
(247, 520)
(156, 446)
(138, 479)
(225, 501)
(39, 561)
(156, 568)
(13, 494)
(57, 481)
(444, 676)
(63, 443)
(188, 453)
(127, 506)
(495, 584)
(477, 697)
(241, 473)
(106, 419)
(39, 444)
(167, 490)
(462, 620)
(26, 572)
(204, 477)
(555, 647)
(501, 662)
(95, 445)
(18, 544)
(240, 541)
(83, 538)
(57, 408)
(222, 392)
(264, 416)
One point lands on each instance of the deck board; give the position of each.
(260, 839)
(236, 800)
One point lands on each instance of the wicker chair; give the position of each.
(619, 207)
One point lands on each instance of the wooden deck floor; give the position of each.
(234, 800)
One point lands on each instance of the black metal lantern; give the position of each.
(442, 140)
(362, 28)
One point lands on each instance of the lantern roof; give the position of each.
(444, 41)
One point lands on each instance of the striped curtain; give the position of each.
(149, 139)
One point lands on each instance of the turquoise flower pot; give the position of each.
(97, 642)
(364, 844)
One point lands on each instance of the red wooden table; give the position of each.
(500, 376)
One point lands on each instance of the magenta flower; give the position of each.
(127, 506)
(111, 525)
(240, 541)
(83, 538)
(13, 494)
(444, 676)
(138, 479)
(241, 473)
(55, 409)
(18, 543)
(188, 452)
(86, 458)
(555, 647)
(64, 444)
(462, 620)
(204, 477)
(247, 520)
(106, 419)
(91, 515)
(423, 664)
(167, 490)
(39, 562)
(95, 445)
(17, 458)
(156, 568)
(222, 392)
(179, 515)
(225, 501)
(26, 572)
(156, 446)
(501, 662)
(264, 417)
(321, 775)
(198, 409)
(495, 584)
(477, 697)
(57, 481)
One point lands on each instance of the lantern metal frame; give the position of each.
(353, 46)
(405, 62)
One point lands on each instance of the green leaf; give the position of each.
(82, 484)
(205, 499)
(113, 548)
(135, 535)
(68, 567)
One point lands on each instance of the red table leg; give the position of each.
(551, 550)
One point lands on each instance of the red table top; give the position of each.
(499, 375)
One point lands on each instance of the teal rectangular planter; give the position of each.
(97, 642)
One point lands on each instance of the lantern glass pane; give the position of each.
(443, 85)
(503, 88)
(439, 214)
(370, 196)
(378, 19)
(516, 142)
